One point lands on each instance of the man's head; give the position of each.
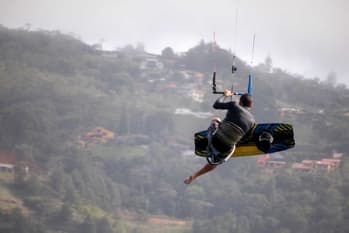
(246, 100)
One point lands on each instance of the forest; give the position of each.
(58, 95)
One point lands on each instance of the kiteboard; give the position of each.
(283, 139)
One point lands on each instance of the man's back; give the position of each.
(236, 114)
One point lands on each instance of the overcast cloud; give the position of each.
(309, 37)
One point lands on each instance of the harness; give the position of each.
(221, 142)
(228, 134)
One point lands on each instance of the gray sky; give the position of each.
(308, 37)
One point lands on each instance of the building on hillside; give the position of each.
(289, 112)
(276, 161)
(151, 61)
(197, 77)
(267, 160)
(337, 155)
(11, 164)
(274, 164)
(170, 62)
(187, 111)
(271, 163)
(7, 161)
(334, 162)
(327, 165)
(262, 160)
(95, 136)
(309, 163)
(324, 165)
(299, 167)
(171, 85)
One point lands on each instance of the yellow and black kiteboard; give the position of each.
(283, 139)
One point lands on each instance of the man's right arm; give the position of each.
(221, 104)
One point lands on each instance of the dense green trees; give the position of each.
(16, 221)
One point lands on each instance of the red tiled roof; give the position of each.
(7, 157)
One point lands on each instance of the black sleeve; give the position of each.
(220, 104)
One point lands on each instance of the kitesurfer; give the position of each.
(222, 136)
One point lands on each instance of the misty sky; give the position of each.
(308, 37)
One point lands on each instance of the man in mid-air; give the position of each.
(223, 135)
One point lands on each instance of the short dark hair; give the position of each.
(246, 100)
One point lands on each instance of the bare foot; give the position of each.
(188, 180)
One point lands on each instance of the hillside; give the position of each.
(97, 146)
